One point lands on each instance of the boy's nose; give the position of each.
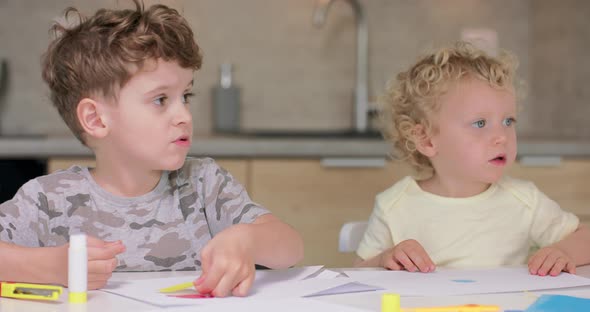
(182, 114)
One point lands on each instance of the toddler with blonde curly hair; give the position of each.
(452, 117)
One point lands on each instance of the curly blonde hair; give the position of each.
(413, 95)
(101, 53)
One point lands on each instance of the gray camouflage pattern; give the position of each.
(162, 230)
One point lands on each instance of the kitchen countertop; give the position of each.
(244, 146)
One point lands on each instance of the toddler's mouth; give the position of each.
(499, 160)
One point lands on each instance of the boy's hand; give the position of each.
(227, 263)
(101, 260)
(551, 261)
(408, 255)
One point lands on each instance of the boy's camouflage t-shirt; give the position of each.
(162, 230)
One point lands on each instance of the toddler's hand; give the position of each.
(228, 265)
(550, 260)
(408, 255)
(101, 260)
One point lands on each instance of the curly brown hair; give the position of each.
(101, 53)
(412, 97)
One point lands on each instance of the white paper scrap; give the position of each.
(352, 287)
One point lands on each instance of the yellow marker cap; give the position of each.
(77, 297)
(390, 303)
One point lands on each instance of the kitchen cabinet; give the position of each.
(15, 173)
(567, 184)
(317, 200)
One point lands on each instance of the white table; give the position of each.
(511, 301)
(99, 301)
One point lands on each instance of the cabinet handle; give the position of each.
(540, 161)
(353, 162)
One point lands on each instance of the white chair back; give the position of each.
(351, 234)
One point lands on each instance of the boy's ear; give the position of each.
(423, 141)
(91, 119)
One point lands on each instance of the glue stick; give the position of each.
(390, 303)
(77, 268)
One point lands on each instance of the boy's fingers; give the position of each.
(96, 285)
(98, 278)
(106, 252)
(225, 285)
(112, 243)
(102, 266)
(92, 241)
(210, 281)
(244, 286)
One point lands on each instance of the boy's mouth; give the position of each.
(183, 140)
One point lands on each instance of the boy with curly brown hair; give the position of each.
(122, 80)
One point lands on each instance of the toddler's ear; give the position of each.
(90, 118)
(423, 141)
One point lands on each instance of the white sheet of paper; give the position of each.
(272, 284)
(273, 305)
(352, 287)
(464, 281)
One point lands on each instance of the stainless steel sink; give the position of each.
(313, 134)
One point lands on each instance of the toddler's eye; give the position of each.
(479, 124)
(509, 121)
(160, 101)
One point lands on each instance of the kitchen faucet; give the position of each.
(362, 58)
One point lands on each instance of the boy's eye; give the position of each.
(479, 124)
(160, 101)
(186, 97)
(509, 121)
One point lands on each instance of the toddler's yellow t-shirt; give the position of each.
(495, 228)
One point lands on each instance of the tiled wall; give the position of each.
(296, 76)
(560, 70)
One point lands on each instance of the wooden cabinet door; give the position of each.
(567, 184)
(317, 200)
(238, 168)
